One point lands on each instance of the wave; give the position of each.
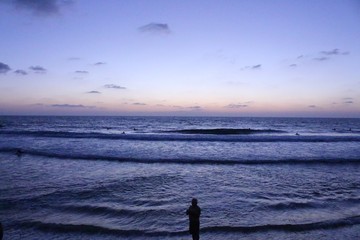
(225, 131)
(328, 224)
(205, 136)
(21, 152)
(114, 212)
(292, 205)
(95, 229)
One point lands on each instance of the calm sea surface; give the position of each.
(134, 177)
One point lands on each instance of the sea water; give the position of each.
(134, 177)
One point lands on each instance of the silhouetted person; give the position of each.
(1, 231)
(194, 219)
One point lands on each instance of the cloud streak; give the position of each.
(321, 59)
(139, 104)
(81, 72)
(334, 52)
(113, 86)
(157, 28)
(232, 105)
(99, 63)
(20, 72)
(70, 106)
(41, 7)
(38, 69)
(93, 92)
(252, 67)
(4, 68)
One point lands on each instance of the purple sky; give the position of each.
(160, 57)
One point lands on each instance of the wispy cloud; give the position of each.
(252, 67)
(94, 92)
(81, 72)
(239, 105)
(139, 104)
(21, 72)
(195, 107)
(70, 106)
(155, 28)
(99, 63)
(38, 69)
(334, 52)
(347, 100)
(113, 86)
(74, 58)
(40, 7)
(320, 56)
(320, 59)
(4, 68)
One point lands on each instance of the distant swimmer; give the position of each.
(123, 132)
(297, 134)
(19, 152)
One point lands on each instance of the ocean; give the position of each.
(134, 177)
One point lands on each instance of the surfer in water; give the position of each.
(194, 212)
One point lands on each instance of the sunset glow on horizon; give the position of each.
(182, 58)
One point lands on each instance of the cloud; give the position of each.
(139, 104)
(38, 69)
(113, 86)
(237, 105)
(4, 68)
(74, 58)
(99, 63)
(334, 52)
(94, 92)
(81, 72)
(293, 65)
(70, 106)
(21, 72)
(157, 28)
(41, 7)
(320, 59)
(196, 108)
(347, 100)
(253, 67)
(312, 106)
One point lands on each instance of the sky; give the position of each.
(280, 58)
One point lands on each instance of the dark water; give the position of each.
(255, 178)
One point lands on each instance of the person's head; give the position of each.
(194, 202)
